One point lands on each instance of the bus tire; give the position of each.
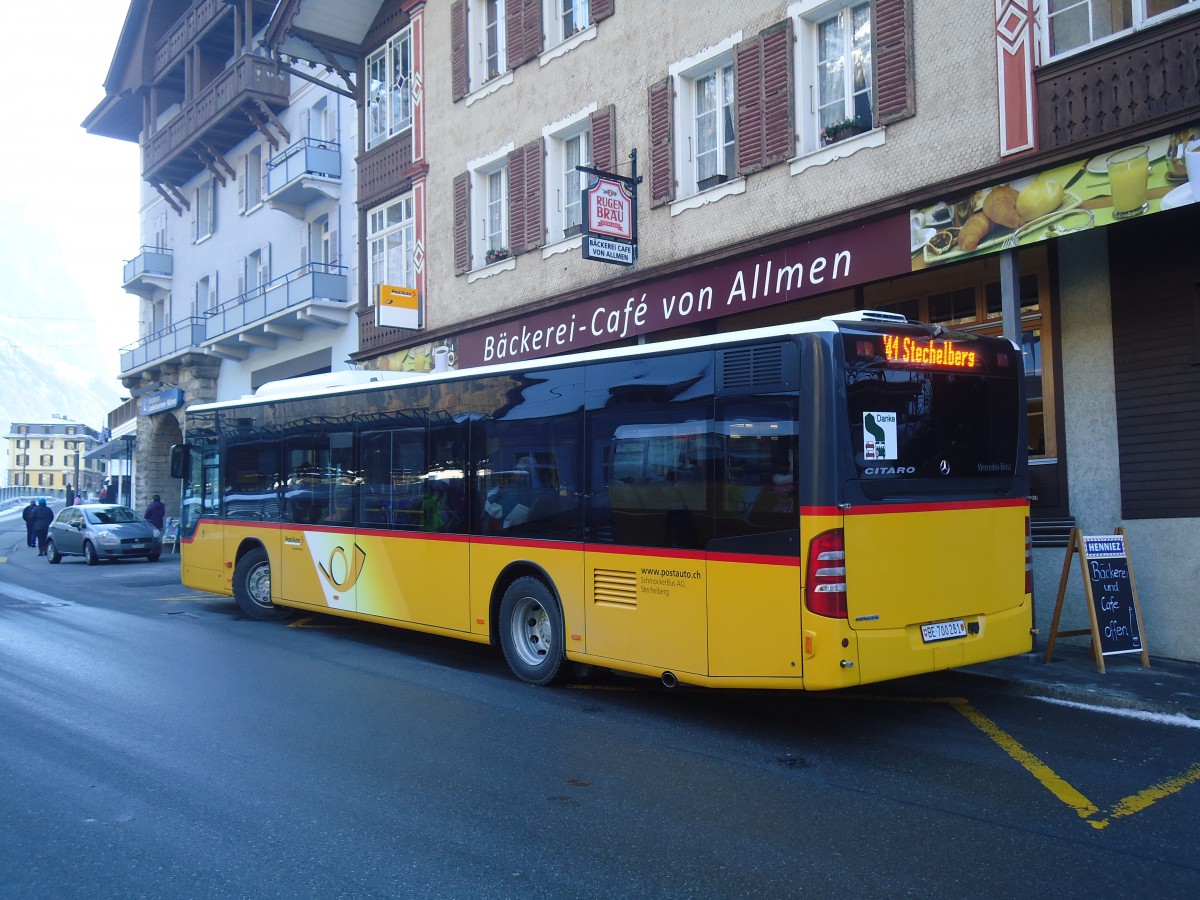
(531, 631)
(252, 587)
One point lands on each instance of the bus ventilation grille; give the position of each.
(752, 367)
(613, 587)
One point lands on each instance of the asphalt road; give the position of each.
(156, 743)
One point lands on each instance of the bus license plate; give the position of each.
(943, 631)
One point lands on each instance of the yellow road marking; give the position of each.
(1034, 766)
(1051, 780)
(1142, 799)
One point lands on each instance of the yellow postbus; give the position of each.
(809, 506)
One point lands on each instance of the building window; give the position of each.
(46, 459)
(493, 53)
(391, 239)
(714, 133)
(251, 188)
(705, 139)
(495, 214)
(204, 211)
(204, 298)
(47, 445)
(835, 68)
(1070, 25)
(389, 89)
(255, 271)
(566, 18)
(566, 148)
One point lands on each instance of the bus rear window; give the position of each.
(945, 408)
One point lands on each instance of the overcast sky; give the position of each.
(69, 201)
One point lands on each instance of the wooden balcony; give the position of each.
(219, 117)
(1121, 91)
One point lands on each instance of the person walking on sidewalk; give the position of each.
(155, 512)
(27, 514)
(42, 517)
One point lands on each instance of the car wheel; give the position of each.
(153, 557)
(90, 556)
(531, 631)
(252, 587)
(52, 555)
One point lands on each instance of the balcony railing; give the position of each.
(216, 116)
(315, 281)
(305, 157)
(150, 270)
(187, 31)
(178, 337)
(308, 171)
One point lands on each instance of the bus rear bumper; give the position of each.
(901, 652)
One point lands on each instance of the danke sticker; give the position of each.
(879, 435)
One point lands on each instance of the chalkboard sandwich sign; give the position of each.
(1108, 582)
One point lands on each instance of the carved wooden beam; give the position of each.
(261, 124)
(221, 161)
(172, 195)
(209, 163)
(265, 111)
(170, 200)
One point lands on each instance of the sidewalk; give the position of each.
(1168, 687)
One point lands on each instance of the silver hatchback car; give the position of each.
(99, 531)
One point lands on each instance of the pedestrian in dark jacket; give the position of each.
(42, 517)
(155, 512)
(27, 515)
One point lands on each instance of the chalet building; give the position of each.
(245, 270)
(996, 166)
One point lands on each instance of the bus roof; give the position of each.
(352, 381)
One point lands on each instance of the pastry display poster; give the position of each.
(1117, 185)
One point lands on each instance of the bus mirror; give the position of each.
(181, 457)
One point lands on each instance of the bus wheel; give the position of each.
(252, 587)
(531, 631)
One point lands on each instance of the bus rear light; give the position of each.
(1028, 557)
(825, 588)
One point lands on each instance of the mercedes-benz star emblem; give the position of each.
(944, 465)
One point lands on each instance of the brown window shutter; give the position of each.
(462, 223)
(604, 138)
(526, 217)
(535, 186)
(779, 129)
(748, 104)
(522, 30)
(763, 103)
(892, 33)
(601, 9)
(662, 163)
(516, 201)
(460, 80)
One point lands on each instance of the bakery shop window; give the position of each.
(1070, 25)
(967, 298)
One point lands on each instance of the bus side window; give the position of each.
(756, 484)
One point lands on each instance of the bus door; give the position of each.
(321, 560)
(754, 601)
(650, 511)
(413, 519)
(250, 502)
